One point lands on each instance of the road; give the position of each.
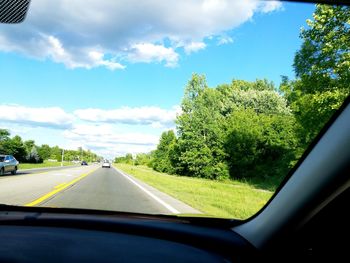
(44, 169)
(90, 187)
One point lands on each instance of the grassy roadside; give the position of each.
(230, 199)
(42, 165)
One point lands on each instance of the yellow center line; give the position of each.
(60, 188)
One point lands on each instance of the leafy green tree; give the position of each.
(322, 68)
(199, 151)
(29, 144)
(33, 156)
(17, 148)
(4, 138)
(161, 157)
(143, 159)
(56, 153)
(323, 62)
(128, 159)
(44, 151)
(260, 145)
(4, 134)
(12, 146)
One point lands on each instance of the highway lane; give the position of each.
(105, 189)
(23, 188)
(90, 187)
(45, 169)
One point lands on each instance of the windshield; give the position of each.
(201, 108)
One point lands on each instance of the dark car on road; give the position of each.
(84, 163)
(8, 163)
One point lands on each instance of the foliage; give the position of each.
(33, 156)
(29, 152)
(216, 135)
(199, 150)
(161, 160)
(322, 68)
(260, 145)
(125, 159)
(143, 159)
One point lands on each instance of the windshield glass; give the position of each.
(200, 107)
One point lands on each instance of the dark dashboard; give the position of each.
(58, 237)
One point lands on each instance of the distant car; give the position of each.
(84, 163)
(106, 164)
(8, 163)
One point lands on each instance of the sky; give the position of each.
(109, 76)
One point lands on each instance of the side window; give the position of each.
(7, 158)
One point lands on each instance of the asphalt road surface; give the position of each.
(90, 187)
(45, 169)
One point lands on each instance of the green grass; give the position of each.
(42, 165)
(228, 199)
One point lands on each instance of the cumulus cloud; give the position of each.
(223, 40)
(54, 117)
(103, 33)
(106, 132)
(147, 52)
(155, 116)
(107, 141)
(194, 47)
(270, 6)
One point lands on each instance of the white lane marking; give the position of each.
(167, 206)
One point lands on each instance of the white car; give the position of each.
(106, 164)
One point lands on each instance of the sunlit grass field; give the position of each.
(228, 199)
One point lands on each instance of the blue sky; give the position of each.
(113, 89)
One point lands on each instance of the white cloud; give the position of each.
(155, 116)
(223, 40)
(194, 47)
(106, 140)
(92, 58)
(54, 117)
(102, 33)
(270, 6)
(106, 132)
(147, 52)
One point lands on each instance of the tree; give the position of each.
(33, 156)
(143, 159)
(12, 146)
(199, 151)
(56, 153)
(124, 159)
(4, 134)
(4, 138)
(259, 95)
(162, 155)
(17, 148)
(260, 145)
(322, 68)
(44, 151)
(29, 144)
(323, 61)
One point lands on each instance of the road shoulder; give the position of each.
(174, 205)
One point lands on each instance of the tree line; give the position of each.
(29, 152)
(253, 129)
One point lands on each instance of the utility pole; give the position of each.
(62, 157)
